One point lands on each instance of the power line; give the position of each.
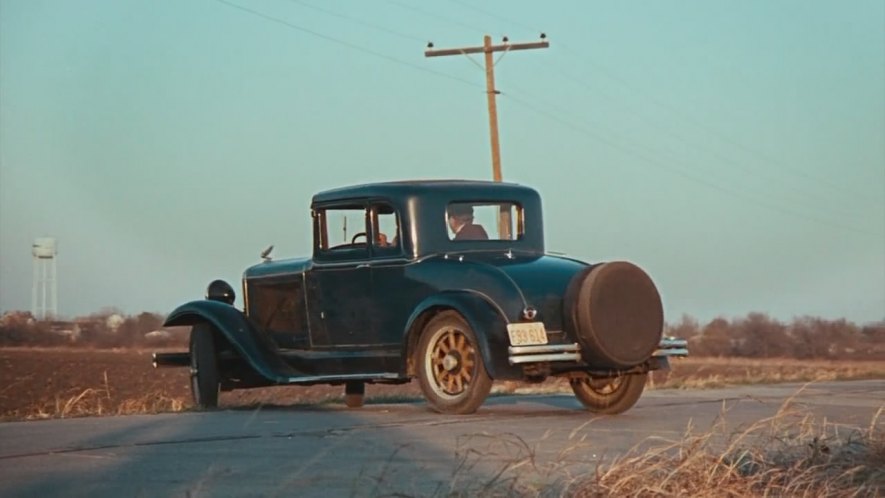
(663, 105)
(353, 46)
(487, 49)
(549, 115)
(805, 195)
(439, 17)
(715, 133)
(650, 153)
(361, 22)
(493, 15)
(652, 160)
(752, 171)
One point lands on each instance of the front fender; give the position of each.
(487, 321)
(252, 346)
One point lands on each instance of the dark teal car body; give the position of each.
(404, 298)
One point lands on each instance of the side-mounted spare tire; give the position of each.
(615, 313)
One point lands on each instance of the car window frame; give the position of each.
(377, 251)
(322, 252)
(518, 224)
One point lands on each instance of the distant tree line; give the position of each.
(759, 336)
(105, 329)
(755, 336)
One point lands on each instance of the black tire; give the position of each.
(609, 396)
(205, 382)
(451, 372)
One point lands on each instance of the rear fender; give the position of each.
(486, 320)
(258, 352)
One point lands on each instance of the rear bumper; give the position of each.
(672, 346)
(544, 353)
(669, 346)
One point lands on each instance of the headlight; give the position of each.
(219, 290)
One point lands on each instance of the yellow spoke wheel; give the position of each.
(450, 367)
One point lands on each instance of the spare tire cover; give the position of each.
(615, 313)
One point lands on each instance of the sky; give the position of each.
(734, 150)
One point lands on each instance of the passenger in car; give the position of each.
(461, 223)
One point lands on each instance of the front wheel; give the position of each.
(204, 367)
(451, 372)
(610, 395)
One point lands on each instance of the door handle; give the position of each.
(362, 265)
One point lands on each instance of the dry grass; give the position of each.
(785, 455)
(712, 373)
(95, 402)
(98, 401)
(703, 373)
(789, 454)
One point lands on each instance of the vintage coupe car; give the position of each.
(446, 281)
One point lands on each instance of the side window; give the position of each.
(342, 231)
(385, 225)
(484, 221)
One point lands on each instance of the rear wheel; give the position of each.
(204, 367)
(451, 372)
(611, 395)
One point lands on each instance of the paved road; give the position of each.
(379, 449)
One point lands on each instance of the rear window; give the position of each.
(472, 221)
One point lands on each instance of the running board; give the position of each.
(184, 360)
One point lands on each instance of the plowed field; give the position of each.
(51, 383)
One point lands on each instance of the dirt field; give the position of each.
(53, 383)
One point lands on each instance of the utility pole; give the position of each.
(487, 48)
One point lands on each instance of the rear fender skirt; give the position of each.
(486, 320)
(248, 343)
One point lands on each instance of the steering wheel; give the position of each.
(358, 235)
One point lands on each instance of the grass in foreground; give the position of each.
(786, 455)
(789, 454)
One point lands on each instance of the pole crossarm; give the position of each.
(479, 50)
(487, 48)
(504, 219)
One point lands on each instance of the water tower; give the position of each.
(44, 302)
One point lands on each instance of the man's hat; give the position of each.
(459, 210)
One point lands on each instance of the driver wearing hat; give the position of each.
(460, 218)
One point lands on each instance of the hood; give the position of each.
(277, 268)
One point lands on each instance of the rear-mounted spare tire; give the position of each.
(614, 311)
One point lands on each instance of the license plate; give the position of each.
(527, 334)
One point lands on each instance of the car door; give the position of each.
(392, 293)
(339, 283)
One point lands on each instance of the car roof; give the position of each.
(418, 188)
